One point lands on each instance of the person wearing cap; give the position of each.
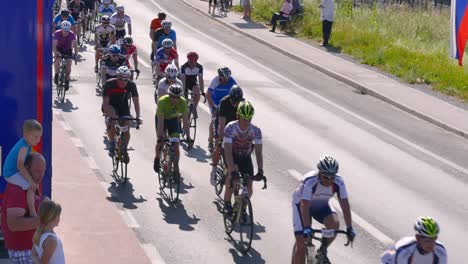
(64, 15)
(64, 44)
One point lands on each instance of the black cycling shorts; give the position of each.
(66, 52)
(120, 34)
(121, 110)
(104, 43)
(76, 17)
(172, 126)
(245, 165)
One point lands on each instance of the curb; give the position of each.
(363, 89)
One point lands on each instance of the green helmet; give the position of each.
(245, 110)
(427, 226)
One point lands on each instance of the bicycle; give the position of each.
(320, 256)
(169, 174)
(121, 152)
(222, 7)
(242, 214)
(220, 176)
(104, 52)
(191, 116)
(62, 77)
(89, 25)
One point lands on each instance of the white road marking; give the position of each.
(77, 142)
(152, 254)
(142, 62)
(368, 122)
(386, 240)
(65, 125)
(92, 164)
(128, 218)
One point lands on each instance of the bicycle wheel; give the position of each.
(163, 170)
(61, 84)
(115, 165)
(231, 220)
(219, 179)
(98, 77)
(174, 180)
(246, 227)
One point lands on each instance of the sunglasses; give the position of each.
(425, 239)
(327, 176)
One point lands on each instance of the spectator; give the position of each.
(18, 226)
(247, 9)
(211, 3)
(47, 245)
(283, 14)
(14, 170)
(327, 8)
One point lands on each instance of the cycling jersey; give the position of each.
(191, 74)
(312, 190)
(118, 97)
(128, 51)
(111, 66)
(218, 91)
(64, 42)
(103, 10)
(76, 8)
(163, 85)
(120, 21)
(227, 110)
(242, 140)
(160, 35)
(169, 110)
(165, 59)
(104, 33)
(406, 251)
(155, 24)
(58, 20)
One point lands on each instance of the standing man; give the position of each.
(18, 226)
(327, 8)
(247, 9)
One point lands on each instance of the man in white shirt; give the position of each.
(327, 8)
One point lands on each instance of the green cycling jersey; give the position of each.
(169, 110)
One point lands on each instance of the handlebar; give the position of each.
(127, 119)
(245, 177)
(336, 231)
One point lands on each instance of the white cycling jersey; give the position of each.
(104, 33)
(119, 22)
(163, 86)
(405, 251)
(312, 190)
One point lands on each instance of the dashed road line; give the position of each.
(372, 230)
(152, 254)
(128, 218)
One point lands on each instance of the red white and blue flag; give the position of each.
(459, 31)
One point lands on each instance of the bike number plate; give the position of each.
(328, 233)
(123, 128)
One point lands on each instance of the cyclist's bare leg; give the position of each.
(57, 65)
(110, 131)
(210, 131)
(69, 65)
(331, 222)
(300, 249)
(229, 189)
(250, 188)
(177, 151)
(97, 55)
(196, 95)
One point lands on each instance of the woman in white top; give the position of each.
(47, 247)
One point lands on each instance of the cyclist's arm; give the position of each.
(75, 47)
(305, 213)
(112, 37)
(158, 68)
(54, 46)
(221, 125)
(135, 59)
(210, 100)
(344, 203)
(160, 130)
(228, 156)
(201, 83)
(106, 105)
(136, 103)
(182, 79)
(176, 61)
(259, 155)
(129, 28)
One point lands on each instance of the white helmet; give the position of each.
(167, 43)
(120, 8)
(175, 89)
(65, 25)
(166, 24)
(328, 165)
(171, 72)
(106, 2)
(123, 73)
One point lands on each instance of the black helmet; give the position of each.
(162, 15)
(224, 71)
(64, 12)
(236, 94)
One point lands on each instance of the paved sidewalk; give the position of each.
(91, 229)
(423, 105)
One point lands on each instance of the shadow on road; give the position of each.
(197, 152)
(66, 106)
(123, 193)
(253, 256)
(177, 215)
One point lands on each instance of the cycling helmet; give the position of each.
(114, 49)
(166, 24)
(171, 72)
(192, 56)
(167, 43)
(328, 165)
(128, 40)
(120, 8)
(123, 72)
(245, 110)
(224, 71)
(161, 15)
(105, 19)
(175, 89)
(426, 226)
(236, 94)
(106, 2)
(64, 12)
(65, 25)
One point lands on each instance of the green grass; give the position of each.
(411, 44)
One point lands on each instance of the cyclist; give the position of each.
(116, 94)
(129, 50)
(168, 111)
(171, 74)
(77, 8)
(106, 8)
(218, 88)
(119, 19)
(64, 44)
(239, 137)
(105, 36)
(227, 113)
(63, 16)
(111, 63)
(192, 78)
(311, 199)
(422, 248)
(155, 25)
(90, 7)
(163, 57)
(163, 33)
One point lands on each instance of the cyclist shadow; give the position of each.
(184, 187)
(123, 193)
(253, 256)
(196, 152)
(66, 106)
(176, 214)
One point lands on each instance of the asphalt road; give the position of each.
(396, 167)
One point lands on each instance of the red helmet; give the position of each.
(192, 56)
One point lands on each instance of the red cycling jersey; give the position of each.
(128, 51)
